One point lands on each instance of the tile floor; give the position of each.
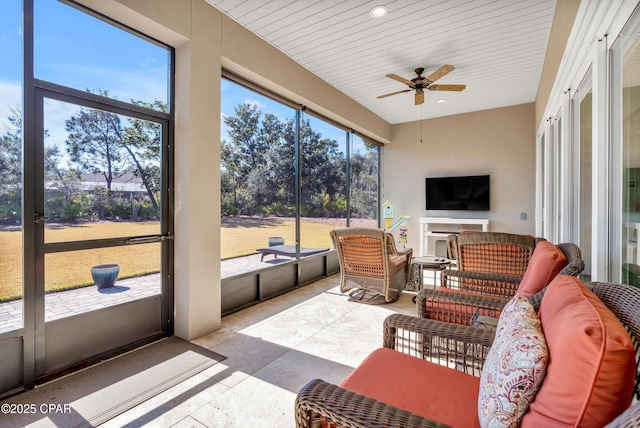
(272, 350)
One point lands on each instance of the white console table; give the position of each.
(438, 228)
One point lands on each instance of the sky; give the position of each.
(75, 49)
(78, 50)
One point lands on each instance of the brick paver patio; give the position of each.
(72, 302)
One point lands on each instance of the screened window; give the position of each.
(258, 166)
(288, 178)
(364, 164)
(11, 259)
(323, 204)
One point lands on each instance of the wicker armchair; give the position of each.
(490, 292)
(370, 262)
(321, 401)
(431, 340)
(492, 252)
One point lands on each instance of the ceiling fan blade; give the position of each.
(399, 79)
(456, 88)
(445, 69)
(419, 98)
(393, 93)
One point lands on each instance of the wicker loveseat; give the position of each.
(370, 262)
(468, 295)
(591, 374)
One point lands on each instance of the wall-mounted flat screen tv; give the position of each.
(469, 193)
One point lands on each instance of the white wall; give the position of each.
(500, 142)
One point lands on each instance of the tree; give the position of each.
(94, 142)
(258, 166)
(142, 141)
(98, 142)
(323, 175)
(363, 173)
(281, 165)
(11, 153)
(245, 136)
(244, 154)
(11, 169)
(67, 183)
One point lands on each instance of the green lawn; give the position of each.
(239, 237)
(73, 269)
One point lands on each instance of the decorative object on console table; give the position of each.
(387, 211)
(397, 223)
(403, 239)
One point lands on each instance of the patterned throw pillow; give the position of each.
(514, 367)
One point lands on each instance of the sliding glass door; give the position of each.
(582, 181)
(626, 153)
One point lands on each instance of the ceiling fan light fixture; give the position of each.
(378, 12)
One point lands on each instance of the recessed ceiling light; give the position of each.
(378, 12)
(441, 100)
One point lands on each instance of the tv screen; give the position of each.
(469, 193)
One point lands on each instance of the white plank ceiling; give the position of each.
(497, 47)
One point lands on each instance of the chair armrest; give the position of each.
(439, 342)
(452, 306)
(321, 401)
(405, 251)
(629, 418)
(488, 283)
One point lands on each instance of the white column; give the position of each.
(197, 177)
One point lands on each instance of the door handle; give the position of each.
(148, 239)
(39, 218)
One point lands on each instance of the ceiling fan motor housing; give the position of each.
(419, 83)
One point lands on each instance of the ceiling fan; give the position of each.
(419, 84)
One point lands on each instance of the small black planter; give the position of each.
(105, 275)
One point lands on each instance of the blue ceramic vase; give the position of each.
(275, 240)
(105, 275)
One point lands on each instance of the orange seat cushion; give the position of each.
(426, 389)
(546, 262)
(591, 368)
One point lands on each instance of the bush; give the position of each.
(10, 209)
(228, 209)
(147, 212)
(277, 209)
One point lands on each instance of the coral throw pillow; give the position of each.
(591, 368)
(514, 368)
(546, 262)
